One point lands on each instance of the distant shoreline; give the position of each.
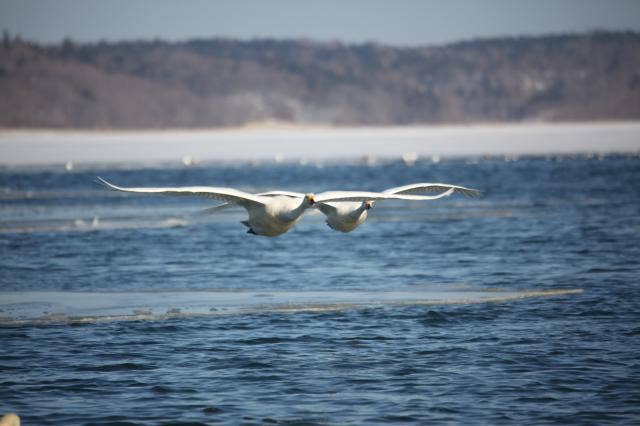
(285, 125)
(281, 142)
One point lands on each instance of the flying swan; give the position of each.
(270, 215)
(345, 216)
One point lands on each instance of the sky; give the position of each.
(399, 22)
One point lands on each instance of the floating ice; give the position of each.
(44, 307)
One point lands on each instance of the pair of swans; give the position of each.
(275, 212)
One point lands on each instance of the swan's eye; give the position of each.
(368, 205)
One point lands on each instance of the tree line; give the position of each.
(224, 82)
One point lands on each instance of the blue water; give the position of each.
(542, 224)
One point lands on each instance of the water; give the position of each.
(518, 307)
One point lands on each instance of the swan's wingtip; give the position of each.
(471, 192)
(103, 182)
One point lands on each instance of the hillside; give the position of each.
(220, 82)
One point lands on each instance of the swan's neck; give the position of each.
(363, 207)
(297, 212)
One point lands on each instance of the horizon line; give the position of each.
(7, 35)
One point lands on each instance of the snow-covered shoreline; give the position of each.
(291, 143)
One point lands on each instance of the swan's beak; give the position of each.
(310, 199)
(368, 205)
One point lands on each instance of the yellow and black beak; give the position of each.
(310, 199)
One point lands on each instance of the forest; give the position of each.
(224, 82)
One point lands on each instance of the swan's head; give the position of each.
(368, 205)
(310, 199)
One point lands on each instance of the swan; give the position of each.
(345, 216)
(270, 215)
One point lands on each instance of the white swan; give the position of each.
(268, 215)
(346, 216)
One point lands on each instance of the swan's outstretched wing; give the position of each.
(229, 195)
(218, 208)
(335, 196)
(285, 193)
(418, 188)
(224, 206)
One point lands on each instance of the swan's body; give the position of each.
(345, 216)
(276, 216)
(269, 215)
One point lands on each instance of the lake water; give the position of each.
(522, 306)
